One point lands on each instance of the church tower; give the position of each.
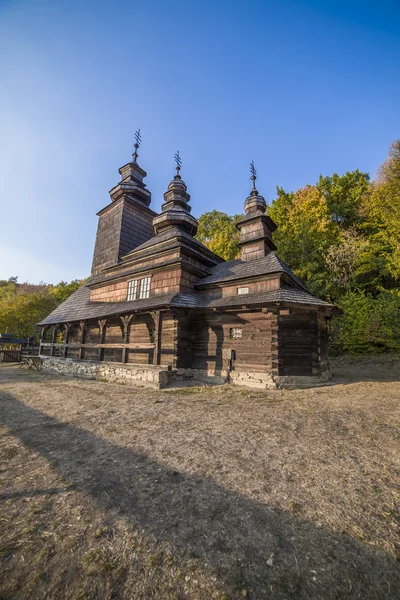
(128, 221)
(256, 228)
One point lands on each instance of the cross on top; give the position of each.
(178, 161)
(136, 145)
(253, 177)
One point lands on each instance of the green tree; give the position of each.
(20, 314)
(305, 233)
(22, 305)
(218, 232)
(382, 222)
(63, 290)
(344, 196)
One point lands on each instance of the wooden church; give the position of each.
(160, 307)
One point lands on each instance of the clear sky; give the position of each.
(302, 87)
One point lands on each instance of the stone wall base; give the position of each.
(147, 375)
(159, 377)
(260, 380)
(200, 376)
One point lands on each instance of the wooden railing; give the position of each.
(10, 352)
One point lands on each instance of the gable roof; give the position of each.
(79, 307)
(169, 236)
(239, 269)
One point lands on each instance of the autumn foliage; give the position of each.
(341, 236)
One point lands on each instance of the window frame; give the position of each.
(242, 293)
(144, 288)
(235, 333)
(133, 288)
(138, 289)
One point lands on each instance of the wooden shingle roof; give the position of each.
(239, 269)
(78, 306)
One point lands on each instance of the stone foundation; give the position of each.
(159, 377)
(147, 375)
(255, 380)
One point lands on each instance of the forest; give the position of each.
(340, 235)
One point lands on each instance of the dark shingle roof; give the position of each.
(167, 236)
(239, 269)
(292, 296)
(78, 306)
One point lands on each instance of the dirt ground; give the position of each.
(109, 491)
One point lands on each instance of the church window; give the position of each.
(139, 288)
(235, 333)
(243, 290)
(145, 287)
(132, 289)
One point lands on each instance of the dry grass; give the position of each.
(115, 492)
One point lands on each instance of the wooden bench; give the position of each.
(31, 361)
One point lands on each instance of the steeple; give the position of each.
(128, 221)
(176, 210)
(256, 227)
(132, 176)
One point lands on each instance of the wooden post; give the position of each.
(67, 327)
(82, 338)
(157, 316)
(125, 320)
(53, 339)
(102, 327)
(42, 334)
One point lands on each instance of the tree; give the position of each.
(20, 314)
(23, 305)
(218, 232)
(382, 221)
(344, 196)
(63, 290)
(305, 233)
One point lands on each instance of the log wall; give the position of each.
(256, 350)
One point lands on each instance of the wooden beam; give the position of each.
(157, 336)
(67, 327)
(53, 339)
(102, 328)
(144, 345)
(82, 331)
(125, 320)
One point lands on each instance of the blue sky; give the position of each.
(301, 88)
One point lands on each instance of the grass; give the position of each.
(203, 492)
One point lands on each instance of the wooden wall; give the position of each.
(92, 336)
(303, 342)
(255, 351)
(141, 331)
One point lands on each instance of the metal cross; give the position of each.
(138, 138)
(178, 160)
(253, 169)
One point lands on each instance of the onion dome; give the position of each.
(176, 210)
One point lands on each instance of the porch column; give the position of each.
(53, 339)
(67, 327)
(157, 316)
(102, 327)
(81, 338)
(42, 334)
(125, 321)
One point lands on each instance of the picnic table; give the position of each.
(31, 361)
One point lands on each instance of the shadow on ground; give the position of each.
(233, 534)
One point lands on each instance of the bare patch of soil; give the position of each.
(110, 491)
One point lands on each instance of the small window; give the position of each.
(132, 289)
(243, 290)
(139, 288)
(145, 287)
(235, 333)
